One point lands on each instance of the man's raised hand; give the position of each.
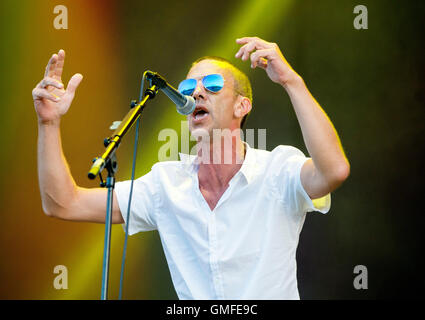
(51, 100)
(267, 56)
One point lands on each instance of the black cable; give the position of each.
(136, 140)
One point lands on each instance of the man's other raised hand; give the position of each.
(51, 99)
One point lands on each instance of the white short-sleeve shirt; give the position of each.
(246, 247)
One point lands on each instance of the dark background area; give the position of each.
(370, 82)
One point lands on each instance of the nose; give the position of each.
(199, 91)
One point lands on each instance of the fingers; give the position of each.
(250, 44)
(259, 58)
(264, 51)
(47, 81)
(59, 64)
(51, 65)
(52, 77)
(74, 82)
(54, 67)
(245, 51)
(262, 63)
(244, 40)
(39, 93)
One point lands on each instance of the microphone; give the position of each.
(185, 104)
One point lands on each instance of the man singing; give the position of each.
(229, 229)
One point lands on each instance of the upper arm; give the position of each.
(89, 205)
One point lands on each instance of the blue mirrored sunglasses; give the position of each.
(212, 82)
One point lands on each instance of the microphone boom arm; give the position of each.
(114, 141)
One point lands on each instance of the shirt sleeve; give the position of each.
(287, 165)
(143, 207)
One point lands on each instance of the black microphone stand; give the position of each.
(108, 160)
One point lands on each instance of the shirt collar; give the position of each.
(248, 167)
(189, 162)
(249, 164)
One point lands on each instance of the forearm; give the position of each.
(57, 186)
(319, 134)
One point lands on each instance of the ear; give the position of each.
(242, 107)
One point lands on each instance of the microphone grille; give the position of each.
(189, 107)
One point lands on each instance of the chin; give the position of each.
(201, 133)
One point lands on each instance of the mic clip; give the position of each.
(156, 79)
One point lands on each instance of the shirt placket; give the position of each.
(212, 239)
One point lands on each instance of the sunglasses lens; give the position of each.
(187, 86)
(213, 82)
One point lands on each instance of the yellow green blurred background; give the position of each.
(370, 82)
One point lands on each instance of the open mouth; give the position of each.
(200, 113)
